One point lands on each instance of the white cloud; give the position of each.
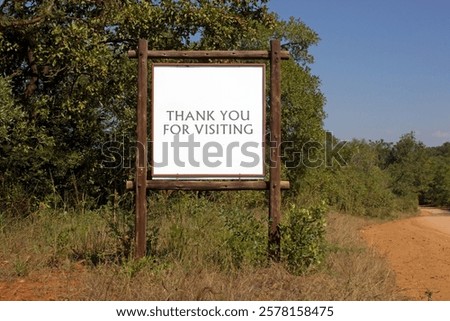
(441, 134)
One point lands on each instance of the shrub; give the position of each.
(303, 237)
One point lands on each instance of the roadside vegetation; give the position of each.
(198, 253)
(67, 131)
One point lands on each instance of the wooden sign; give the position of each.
(208, 121)
(235, 93)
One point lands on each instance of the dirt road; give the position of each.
(418, 250)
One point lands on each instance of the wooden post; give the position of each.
(141, 153)
(275, 145)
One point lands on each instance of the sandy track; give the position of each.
(51, 286)
(418, 250)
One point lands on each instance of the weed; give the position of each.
(21, 267)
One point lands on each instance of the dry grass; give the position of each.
(351, 271)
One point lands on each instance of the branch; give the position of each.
(17, 23)
(119, 40)
(32, 85)
(7, 23)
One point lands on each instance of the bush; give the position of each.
(361, 187)
(244, 238)
(303, 237)
(362, 191)
(217, 229)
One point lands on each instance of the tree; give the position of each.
(302, 101)
(74, 89)
(408, 166)
(437, 192)
(361, 187)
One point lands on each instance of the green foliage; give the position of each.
(303, 232)
(301, 98)
(302, 120)
(438, 190)
(121, 229)
(8, 114)
(408, 167)
(15, 154)
(361, 187)
(244, 241)
(221, 230)
(72, 94)
(382, 178)
(68, 112)
(131, 268)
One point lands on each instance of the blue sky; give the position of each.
(384, 65)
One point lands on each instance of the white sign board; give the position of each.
(208, 121)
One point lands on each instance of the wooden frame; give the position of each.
(216, 54)
(263, 135)
(274, 185)
(207, 185)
